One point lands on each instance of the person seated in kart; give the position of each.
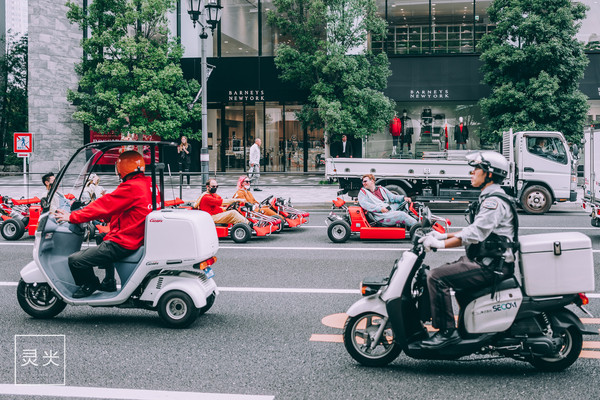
(211, 202)
(92, 190)
(489, 241)
(126, 208)
(243, 193)
(383, 204)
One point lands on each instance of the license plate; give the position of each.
(209, 272)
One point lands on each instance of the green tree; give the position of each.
(131, 78)
(328, 57)
(533, 64)
(13, 92)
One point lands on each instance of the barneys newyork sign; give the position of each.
(430, 94)
(246, 95)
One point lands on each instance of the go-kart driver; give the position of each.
(211, 202)
(489, 240)
(126, 208)
(383, 204)
(243, 193)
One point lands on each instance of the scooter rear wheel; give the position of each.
(567, 355)
(359, 332)
(177, 309)
(38, 300)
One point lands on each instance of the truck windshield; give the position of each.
(551, 148)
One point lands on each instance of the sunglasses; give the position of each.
(246, 181)
(366, 181)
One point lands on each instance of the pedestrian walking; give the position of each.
(254, 171)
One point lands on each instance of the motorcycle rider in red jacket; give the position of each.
(126, 208)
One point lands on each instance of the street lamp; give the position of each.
(212, 15)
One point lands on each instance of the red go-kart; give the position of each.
(260, 224)
(292, 217)
(346, 220)
(19, 216)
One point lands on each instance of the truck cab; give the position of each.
(545, 171)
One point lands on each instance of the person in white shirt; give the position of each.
(254, 171)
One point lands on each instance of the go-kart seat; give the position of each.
(371, 218)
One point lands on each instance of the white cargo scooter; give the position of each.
(523, 317)
(170, 273)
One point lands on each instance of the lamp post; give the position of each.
(212, 15)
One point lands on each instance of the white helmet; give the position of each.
(490, 161)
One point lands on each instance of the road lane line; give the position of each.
(315, 337)
(110, 393)
(591, 345)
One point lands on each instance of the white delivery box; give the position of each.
(557, 263)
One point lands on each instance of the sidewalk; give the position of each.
(308, 191)
(305, 191)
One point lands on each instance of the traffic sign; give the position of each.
(23, 143)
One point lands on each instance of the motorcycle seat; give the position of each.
(508, 283)
(133, 258)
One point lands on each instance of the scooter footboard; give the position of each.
(372, 304)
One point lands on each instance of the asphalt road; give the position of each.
(265, 335)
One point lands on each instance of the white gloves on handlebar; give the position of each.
(430, 242)
(437, 235)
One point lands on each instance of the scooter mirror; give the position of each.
(426, 215)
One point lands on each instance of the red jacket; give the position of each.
(211, 203)
(396, 127)
(126, 208)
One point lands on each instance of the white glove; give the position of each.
(429, 242)
(437, 235)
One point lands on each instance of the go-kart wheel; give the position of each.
(338, 231)
(413, 230)
(177, 309)
(12, 229)
(281, 224)
(38, 300)
(210, 300)
(240, 233)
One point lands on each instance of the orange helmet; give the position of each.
(128, 162)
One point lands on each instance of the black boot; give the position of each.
(108, 285)
(86, 290)
(442, 339)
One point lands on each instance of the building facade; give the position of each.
(435, 79)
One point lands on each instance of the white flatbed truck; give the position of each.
(591, 173)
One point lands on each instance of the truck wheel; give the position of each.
(240, 233)
(536, 200)
(338, 231)
(396, 190)
(38, 300)
(12, 229)
(177, 309)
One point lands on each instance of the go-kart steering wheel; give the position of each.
(265, 202)
(233, 206)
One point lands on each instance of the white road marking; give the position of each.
(110, 393)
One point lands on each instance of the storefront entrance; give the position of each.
(286, 147)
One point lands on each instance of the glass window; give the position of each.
(428, 127)
(408, 27)
(452, 25)
(547, 147)
(239, 28)
(589, 33)
(271, 37)
(274, 144)
(482, 20)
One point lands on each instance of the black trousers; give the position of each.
(458, 275)
(83, 262)
(184, 166)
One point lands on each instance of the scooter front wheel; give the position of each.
(38, 300)
(359, 336)
(177, 309)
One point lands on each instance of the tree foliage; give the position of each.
(327, 56)
(13, 92)
(131, 78)
(533, 64)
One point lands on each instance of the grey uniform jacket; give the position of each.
(494, 216)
